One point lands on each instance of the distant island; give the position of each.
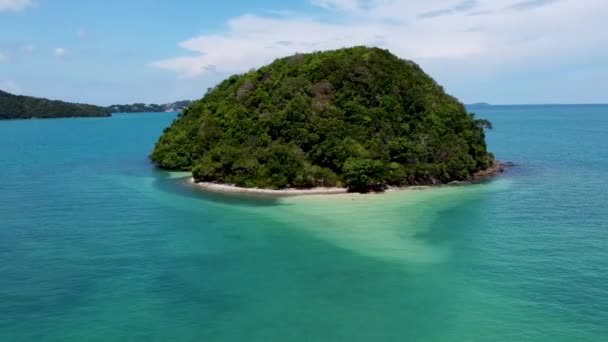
(479, 104)
(359, 118)
(27, 107)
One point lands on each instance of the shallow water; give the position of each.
(95, 244)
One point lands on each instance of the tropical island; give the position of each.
(359, 118)
(28, 107)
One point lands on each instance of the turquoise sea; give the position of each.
(97, 245)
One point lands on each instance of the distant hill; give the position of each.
(143, 108)
(27, 107)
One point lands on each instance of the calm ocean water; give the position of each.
(97, 245)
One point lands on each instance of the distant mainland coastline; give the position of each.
(150, 108)
(27, 107)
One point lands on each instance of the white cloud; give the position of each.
(81, 33)
(3, 57)
(14, 5)
(29, 49)
(250, 42)
(11, 87)
(60, 52)
(338, 4)
(471, 35)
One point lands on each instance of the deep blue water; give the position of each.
(95, 244)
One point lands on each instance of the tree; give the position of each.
(363, 174)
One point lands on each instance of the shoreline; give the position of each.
(492, 171)
(229, 188)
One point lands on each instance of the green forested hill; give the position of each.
(26, 107)
(356, 117)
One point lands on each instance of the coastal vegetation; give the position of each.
(358, 117)
(27, 107)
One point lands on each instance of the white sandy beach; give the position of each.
(230, 188)
(318, 191)
(283, 192)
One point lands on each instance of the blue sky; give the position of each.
(105, 52)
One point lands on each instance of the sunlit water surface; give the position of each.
(97, 245)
